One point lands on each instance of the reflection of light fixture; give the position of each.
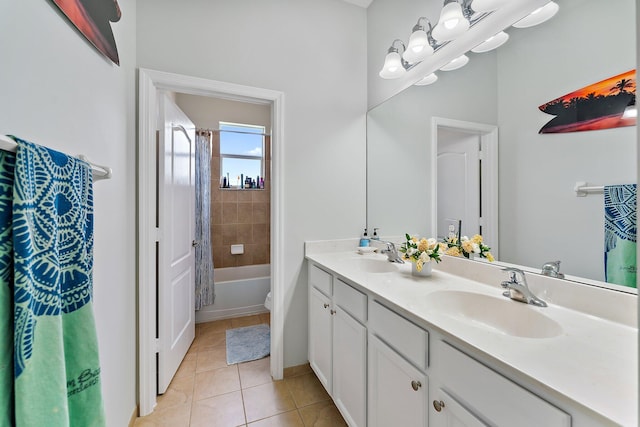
(452, 22)
(538, 16)
(394, 66)
(630, 112)
(420, 43)
(459, 62)
(486, 5)
(427, 80)
(491, 43)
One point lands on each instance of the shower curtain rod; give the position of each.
(99, 172)
(233, 131)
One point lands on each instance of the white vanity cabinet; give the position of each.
(320, 336)
(398, 357)
(338, 342)
(467, 393)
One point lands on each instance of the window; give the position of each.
(242, 154)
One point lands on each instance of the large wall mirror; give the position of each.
(538, 216)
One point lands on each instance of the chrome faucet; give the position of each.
(552, 269)
(519, 291)
(391, 252)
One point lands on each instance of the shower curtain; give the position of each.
(50, 367)
(204, 259)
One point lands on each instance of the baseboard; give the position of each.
(210, 316)
(132, 420)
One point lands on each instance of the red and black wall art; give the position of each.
(607, 104)
(93, 19)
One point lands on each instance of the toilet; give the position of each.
(267, 301)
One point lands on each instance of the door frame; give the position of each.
(149, 83)
(489, 171)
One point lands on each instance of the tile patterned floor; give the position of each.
(207, 392)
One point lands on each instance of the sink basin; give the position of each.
(498, 314)
(374, 265)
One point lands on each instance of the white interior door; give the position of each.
(458, 181)
(176, 260)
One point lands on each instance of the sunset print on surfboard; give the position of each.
(93, 19)
(607, 104)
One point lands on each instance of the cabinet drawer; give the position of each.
(507, 404)
(351, 300)
(320, 279)
(408, 339)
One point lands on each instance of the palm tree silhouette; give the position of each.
(623, 85)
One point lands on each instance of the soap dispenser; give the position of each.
(364, 240)
(375, 235)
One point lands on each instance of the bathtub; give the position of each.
(240, 291)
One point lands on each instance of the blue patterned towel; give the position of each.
(7, 164)
(56, 366)
(620, 230)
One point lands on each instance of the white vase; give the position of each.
(426, 269)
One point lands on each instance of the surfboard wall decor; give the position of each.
(607, 104)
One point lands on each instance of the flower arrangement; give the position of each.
(465, 247)
(420, 251)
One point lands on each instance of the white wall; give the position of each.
(540, 217)
(399, 143)
(313, 51)
(207, 112)
(58, 91)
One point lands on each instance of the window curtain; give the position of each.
(204, 259)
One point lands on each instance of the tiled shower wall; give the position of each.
(240, 216)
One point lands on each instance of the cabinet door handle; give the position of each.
(415, 385)
(326, 305)
(333, 312)
(438, 405)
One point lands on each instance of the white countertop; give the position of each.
(593, 362)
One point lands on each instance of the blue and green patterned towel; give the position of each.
(620, 230)
(56, 368)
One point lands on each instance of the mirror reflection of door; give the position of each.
(459, 182)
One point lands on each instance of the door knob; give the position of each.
(438, 405)
(194, 243)
(416, 385)
(326, 305)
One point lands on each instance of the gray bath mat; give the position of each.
(250, 343)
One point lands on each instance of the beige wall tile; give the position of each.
(260, 233)
(229, 213)
(230, 195)
(229, 235)
(259, 213)
(245, 234)
(216, 213)
(245, 196)
(245, 213)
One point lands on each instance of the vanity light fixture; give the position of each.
(538, 16)
(487, 5)
(459, 62)
(420, 44)
(427, 80)
(452, 22)
(394, 66)
(491, 43)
